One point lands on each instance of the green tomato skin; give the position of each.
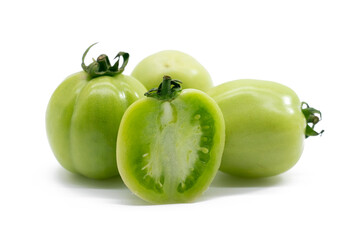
(83, 118)
(175, 64)
(265, 127)
(165, 142)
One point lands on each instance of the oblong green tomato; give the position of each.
(265, 127)
(169, 151)
(173, 63)
(83, 118)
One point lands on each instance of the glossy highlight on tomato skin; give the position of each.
(265, 127)
(82, 121)
(176, 64)
(169, 151)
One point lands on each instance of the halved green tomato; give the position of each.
(170, 144)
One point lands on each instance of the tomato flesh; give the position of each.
(169, 151)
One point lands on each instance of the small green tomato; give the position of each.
(173, 63)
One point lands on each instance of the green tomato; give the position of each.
(265, 127)
(84, 114)
(176, 64)
(170, 144)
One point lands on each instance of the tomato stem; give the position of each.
(102, 65)
(167, 90)
(311, 117)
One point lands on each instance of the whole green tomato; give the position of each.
(266, 125)
(173, 63)
(170, 144)
(84, 114)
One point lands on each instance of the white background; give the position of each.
(311, 46)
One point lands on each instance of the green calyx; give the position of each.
(102, 66)
(167, 90)
(311, 117)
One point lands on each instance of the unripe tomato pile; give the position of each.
(166, 130)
